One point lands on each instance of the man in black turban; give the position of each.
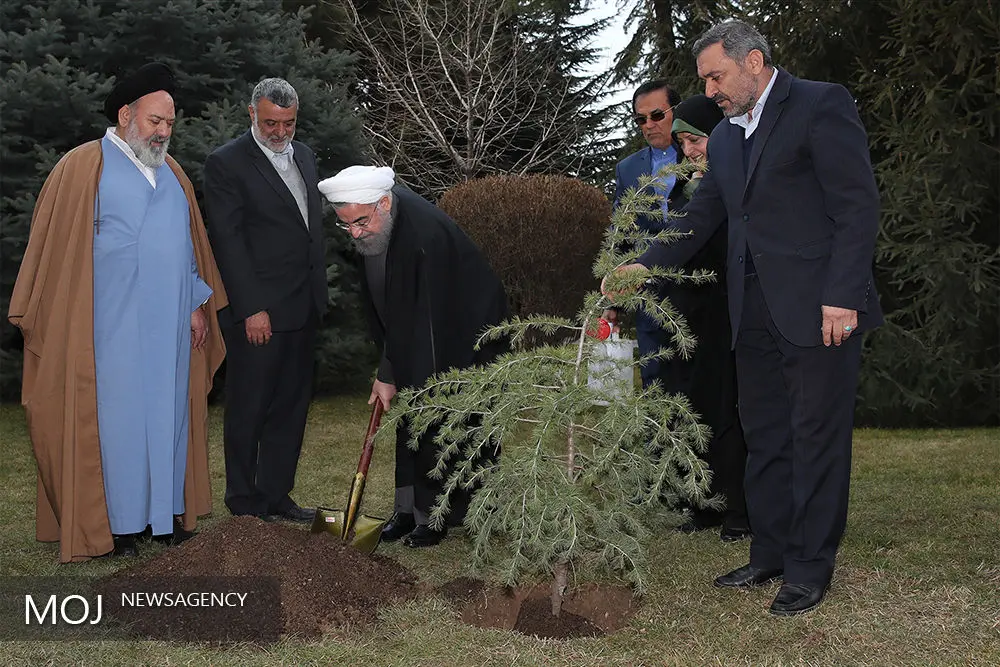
(147, 79)
(116, 299)
(148, 134)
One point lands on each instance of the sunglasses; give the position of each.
(655, 115)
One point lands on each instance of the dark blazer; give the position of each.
(627, 174)
(268, 258)
(440, 295)
(711, 256)
(807, 207)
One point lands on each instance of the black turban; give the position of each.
(698, 115)
(147, 79)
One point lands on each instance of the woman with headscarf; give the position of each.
(709, 377)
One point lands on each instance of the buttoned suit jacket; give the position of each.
(807, 208)
(269, 259)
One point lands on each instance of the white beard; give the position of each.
(149, 152)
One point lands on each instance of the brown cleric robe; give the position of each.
(53, 305)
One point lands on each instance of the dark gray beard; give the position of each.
(376, 244)
(737, 111)
(149, 153)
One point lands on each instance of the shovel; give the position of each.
(360, 530)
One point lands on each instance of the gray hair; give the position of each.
(276, 91)
(738, 40)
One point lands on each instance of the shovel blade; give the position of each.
(365, 535)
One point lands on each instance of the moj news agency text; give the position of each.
(77, 609)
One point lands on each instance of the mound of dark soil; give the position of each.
(322, 582)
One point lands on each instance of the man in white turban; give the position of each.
(429, 292)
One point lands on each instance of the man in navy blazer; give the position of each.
(265, 221)
(652, 108)
(791, 174)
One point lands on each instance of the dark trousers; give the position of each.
(650, 340)
(708, 379)
(412, 468)
(797, 409)
(268, 389)
(727, 457)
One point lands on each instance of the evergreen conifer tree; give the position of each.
(930, 104)
(582, 465)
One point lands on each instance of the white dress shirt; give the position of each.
(750, 119)
(148, 172)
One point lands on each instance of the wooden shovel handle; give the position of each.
(373, 422)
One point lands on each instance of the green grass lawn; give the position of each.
(918, 578)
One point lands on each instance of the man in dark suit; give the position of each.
(791, 174)
(707, 378)
(266, 228)
(429, 293)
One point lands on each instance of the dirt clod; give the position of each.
(587, 611)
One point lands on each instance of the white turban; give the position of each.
(358, 185)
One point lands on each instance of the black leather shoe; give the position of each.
(179, 535)
(699, 520)
(400, 524)
(124, 546)
(295, 513)
(170, 539)
(690, 526)
(748, 576)
(795, 599)
(423, 536)
(731, 534)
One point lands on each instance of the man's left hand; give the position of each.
(838, 324)
(199, 328)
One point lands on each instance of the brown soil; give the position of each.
(323, 583)
(588, 611)
(535, 618)
(463, 590)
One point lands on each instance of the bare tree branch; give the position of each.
(458, 91)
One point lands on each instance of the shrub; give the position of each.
(539, 233)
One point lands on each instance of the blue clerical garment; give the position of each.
(146, 285)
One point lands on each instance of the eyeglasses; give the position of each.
(361, 224)
(656, 115)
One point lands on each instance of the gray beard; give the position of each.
(147, 152)
(737, 111)
(376, 244)
(255, 131)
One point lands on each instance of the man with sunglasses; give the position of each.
(265, 220)
(652, 112)
(429, 293)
